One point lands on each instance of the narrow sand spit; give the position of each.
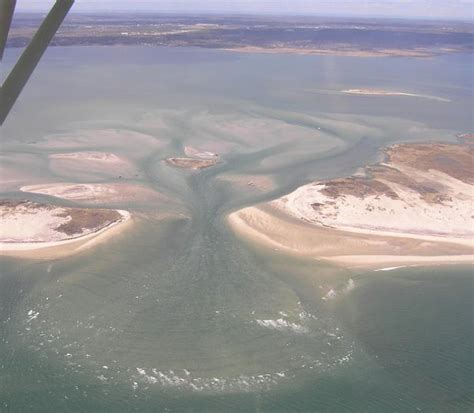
(30, 229)
(199, 153)
(381, 92)
(415, 207)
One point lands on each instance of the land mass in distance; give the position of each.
(257, 34)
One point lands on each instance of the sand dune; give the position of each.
(41, 230)
(418, 204)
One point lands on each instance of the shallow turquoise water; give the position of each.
(178, 314)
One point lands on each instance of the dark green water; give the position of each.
(178, 314)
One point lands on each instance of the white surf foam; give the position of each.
(281, 324)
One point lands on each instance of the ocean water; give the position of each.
(179, 314)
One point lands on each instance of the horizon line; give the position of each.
(257, 14)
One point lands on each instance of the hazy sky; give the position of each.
(457, 9)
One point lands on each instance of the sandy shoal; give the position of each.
(258, 182)
(96, 193)
(272, 228)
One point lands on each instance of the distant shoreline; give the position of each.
(258, 33)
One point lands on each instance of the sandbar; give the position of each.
(249, 182)
(192, 152)
(96, 193)
(382, 92)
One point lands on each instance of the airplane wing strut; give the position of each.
(18, 77)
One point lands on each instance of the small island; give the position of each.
(190, 163)
(40, 230)
(416, 206)
(196, 159)
(382, 92)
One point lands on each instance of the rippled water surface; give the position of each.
(177, 313)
